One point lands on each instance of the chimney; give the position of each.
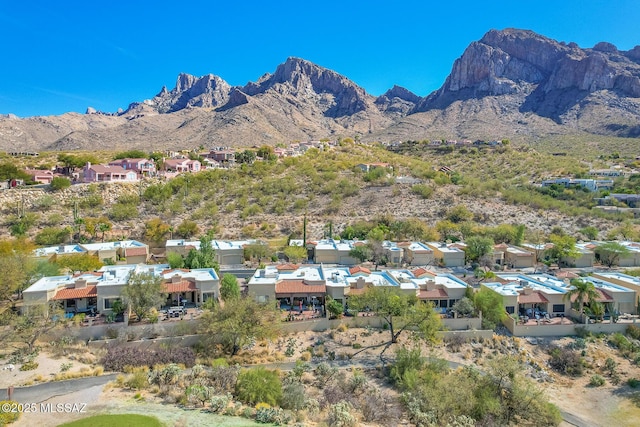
(80, 284)
(176, 278)
(360, 282)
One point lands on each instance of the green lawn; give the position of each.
(121, 420)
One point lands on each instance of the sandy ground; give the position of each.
(48, 366)
(598, 406)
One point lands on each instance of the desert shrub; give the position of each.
(633, 382)
(29, 366)
(119, 357)
(455, 342)
(259, 385)
(578, 344)
(274, 416)
(422, 190)
(596, 381)
(8, 416)
(634, 332)
(60, 183)
(375, 407)
(139, 380)
(340, 415)
(224, 378)
(219, 403)
(566, 361)
(293, 396)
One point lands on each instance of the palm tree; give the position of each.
(584, 292)
(484, 274)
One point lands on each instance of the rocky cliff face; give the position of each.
(206, 92)
(545, 75)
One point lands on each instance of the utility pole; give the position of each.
(304, 230)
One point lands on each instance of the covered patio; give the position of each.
(295, 296)
(78, 300)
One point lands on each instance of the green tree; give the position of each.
(583, 291)
(563, 249)
(490, 304)
(295, 254)
(156, 230)
(590, 232)
(52, 236)
(246, 157)
(334, 308)
(256, 385)
(234, 324)
(400, 311)
(256, 252)
(205, 257)
(25, 329)
(362, 253)
(459, 213)
(175, 260)
(478, 247)
(448, 230)
(143, 292)
(11, 171)
(80, 262)
(187, 229)
(130, 154)
(610, 253)
(229, 288)
(60, 183)
(484, 274)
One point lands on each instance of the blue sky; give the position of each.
(67, 55)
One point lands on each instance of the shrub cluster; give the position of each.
(119, 357)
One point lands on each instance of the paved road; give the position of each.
(41, 392)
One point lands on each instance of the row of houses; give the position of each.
(97, 291)
(545, 295)
(131, 170)
(541, 294)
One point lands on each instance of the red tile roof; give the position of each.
(433, 294)
(564, 274)
(358, 269)
(287, 267)
(422, 271)
(73, 293)
(181, 286)
(135, 251)
(533, 298)
(298, 287)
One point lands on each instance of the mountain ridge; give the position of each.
(510, 84)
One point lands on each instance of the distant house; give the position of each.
(144, 167)
(108, 173)
(182, 165)
(40, 176)
(366, 167)
(222, 156)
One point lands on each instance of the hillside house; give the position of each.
(177, 166)
(40, 176)
(143, 167)
(107, 173)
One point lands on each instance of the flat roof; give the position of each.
(105, 246)
(59, 250)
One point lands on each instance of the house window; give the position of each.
(510, 309)
(71, 303)
(443, 303)
(108, 302)
(558, 308)
(452, 302)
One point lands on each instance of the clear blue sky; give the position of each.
(61, 56)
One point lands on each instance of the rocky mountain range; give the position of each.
(510, 84)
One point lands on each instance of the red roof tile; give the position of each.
(182, 286)
(602, 296)
(73, 293)
(418, 272)
(358, 269)
(286, 267)
(433, 294)
(532, 298)
(298, 287)
(135, 251)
